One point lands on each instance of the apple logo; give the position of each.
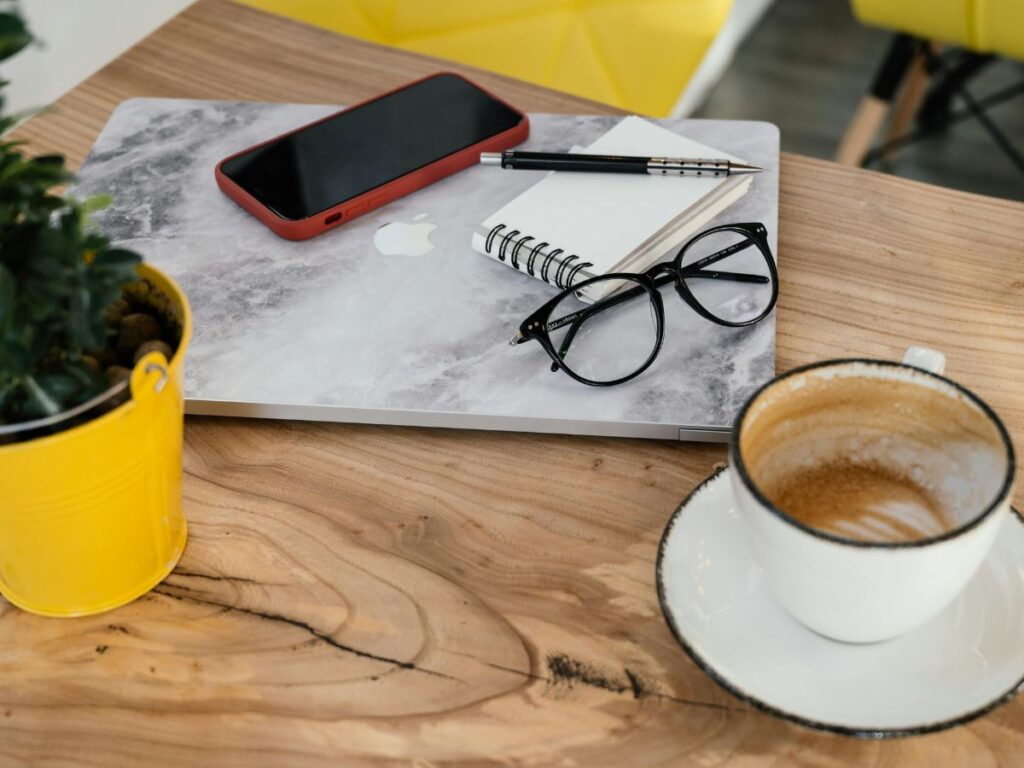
(397, 238)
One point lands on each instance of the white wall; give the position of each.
(78, 37)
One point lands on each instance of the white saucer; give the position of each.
(958, 666)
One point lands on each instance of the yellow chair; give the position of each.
(986, 28)
(637, 55)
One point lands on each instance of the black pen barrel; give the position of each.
(542, 161)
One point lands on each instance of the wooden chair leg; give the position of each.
(911, 96)
(861, 132)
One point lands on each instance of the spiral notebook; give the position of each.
(570, 227)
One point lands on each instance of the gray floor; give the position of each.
(806, 67)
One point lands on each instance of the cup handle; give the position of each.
(925, 359)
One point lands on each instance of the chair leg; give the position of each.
(1000, 138)
(861, 131)
(950, 78)
(874, 107)
(911, 96)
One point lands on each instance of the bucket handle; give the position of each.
(143, 382)
(162, 381)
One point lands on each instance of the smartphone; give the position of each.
(326, 173)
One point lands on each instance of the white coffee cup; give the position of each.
(859, 589)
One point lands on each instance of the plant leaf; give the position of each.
(14, 35)
(86, 325)
(38, 401)
(8, 289)
(118, 257)
(59, 386)
(96, 203)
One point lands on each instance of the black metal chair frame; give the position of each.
(951, 72)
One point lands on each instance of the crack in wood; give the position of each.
(566, 670)
(637, 684)
(220, 577)
(638, 687)
(322, 636)
(569, 671)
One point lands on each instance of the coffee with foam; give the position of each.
(873, 454)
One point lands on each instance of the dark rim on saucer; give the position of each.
(736, 459)
(843, 730)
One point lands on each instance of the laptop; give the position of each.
(393, 318)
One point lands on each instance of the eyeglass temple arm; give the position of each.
(661, 280)
(736, 277)
(717, 256)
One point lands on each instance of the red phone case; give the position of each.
(302, 229)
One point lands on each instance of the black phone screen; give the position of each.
(357, 150)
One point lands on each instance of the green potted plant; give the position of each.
(92, 343)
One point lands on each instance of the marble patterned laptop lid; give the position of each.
(348, 327)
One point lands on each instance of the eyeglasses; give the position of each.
(618, 336)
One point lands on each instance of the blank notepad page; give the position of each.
(604, 217)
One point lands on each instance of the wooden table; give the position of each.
(354, 595)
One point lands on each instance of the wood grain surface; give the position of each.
(357, 595)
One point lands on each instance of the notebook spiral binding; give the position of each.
(511, 244)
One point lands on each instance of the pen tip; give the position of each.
(744, 168)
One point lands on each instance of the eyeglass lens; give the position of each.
(724, 287)
(609, 339)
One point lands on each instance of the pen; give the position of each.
(660, 166)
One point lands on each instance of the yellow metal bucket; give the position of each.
(90, 518)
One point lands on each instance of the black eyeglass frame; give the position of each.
(536, 325)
